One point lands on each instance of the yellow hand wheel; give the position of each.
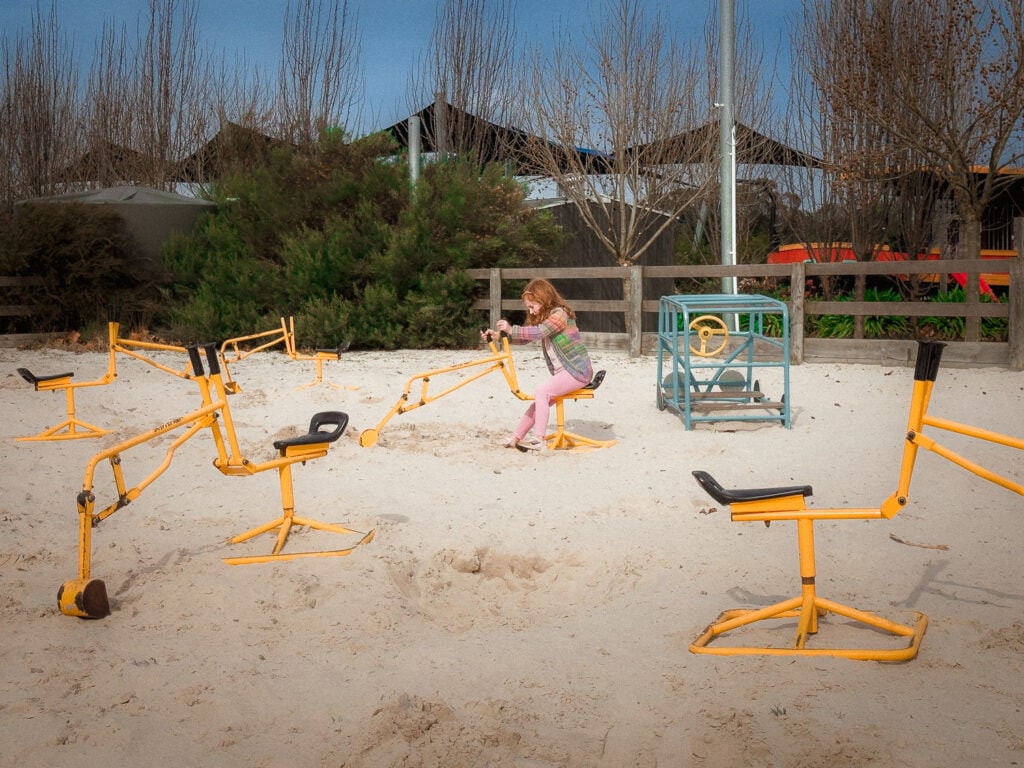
(707, 327)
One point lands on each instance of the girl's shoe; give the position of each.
(511, 442)
(530, 443)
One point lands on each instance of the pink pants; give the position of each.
(536, 416)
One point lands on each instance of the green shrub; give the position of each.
(875, 326)
(995, 328)
(884, 326)
(379, 319)
(87, 262)
(323, 323)
(946, 327)
(992, 328)
(834, 326)
(337, 238)
(771, 324)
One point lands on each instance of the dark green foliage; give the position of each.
(992, 328)
(769, 325)
(834, 326)
(995, 328)
(875, 326)
(335, 237)
(86, 260)
(946, 327)
(884, 326)
(895, 327)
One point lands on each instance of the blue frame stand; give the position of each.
(711, 348)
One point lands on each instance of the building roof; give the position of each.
(107, 162)
(493, 143)
(701, 145)
(231, 144)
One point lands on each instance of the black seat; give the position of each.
(34, 380)
(733, 496)
(325, 418)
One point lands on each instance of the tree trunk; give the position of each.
(969, 246)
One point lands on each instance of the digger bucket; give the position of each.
(84, 598)
(369, 437)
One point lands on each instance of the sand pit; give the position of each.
(513, 610)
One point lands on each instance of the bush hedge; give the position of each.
(88, 265)
(338, 239)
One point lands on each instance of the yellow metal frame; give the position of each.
(86, 598)
(233, 351)
(73, 428)
(787, 503)
(563, 440)
(317, 356)
(499, 359)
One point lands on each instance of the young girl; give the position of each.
(550, 320)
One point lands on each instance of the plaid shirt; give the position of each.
(565, 341)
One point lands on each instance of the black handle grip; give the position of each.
(501, 334)
(929, 356)
(211, 358)
(196, 360)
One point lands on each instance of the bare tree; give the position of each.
(916, 216)
(38, 109)
(171, 109)
(938, 81)
(758, 157)
(468, 75)
(319, 82)
(109, 116)
(845, 205)
(641, 101)
(854, 198)
(631, 92)
(243, 93)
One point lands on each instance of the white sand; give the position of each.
(513, 610)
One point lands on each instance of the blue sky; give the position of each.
(394, 32)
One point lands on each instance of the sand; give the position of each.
(513, 609)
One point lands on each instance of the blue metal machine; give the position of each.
(711, 350)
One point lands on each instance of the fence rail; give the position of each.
(634, 305)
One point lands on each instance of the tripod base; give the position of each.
(560, 439)
(283, 526)
(807, 610)
(72, 429)
(567, 441)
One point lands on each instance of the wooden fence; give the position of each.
(634, 305)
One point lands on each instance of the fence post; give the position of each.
(860, 286)
(972, 297)
(797, 281)
(1015, 322)
(495, 297)
(633, 292)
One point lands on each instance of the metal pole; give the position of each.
(440, 126)
(727, 140)
(414, 150)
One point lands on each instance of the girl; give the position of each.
(550, 320)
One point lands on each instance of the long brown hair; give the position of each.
(545, 294)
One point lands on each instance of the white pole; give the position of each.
(727, 140)
(414, 150)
